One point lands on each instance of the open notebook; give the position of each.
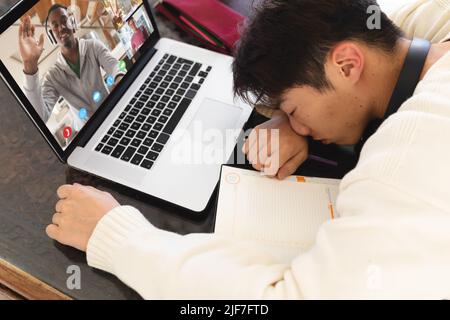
(283, 216)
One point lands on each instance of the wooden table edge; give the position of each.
(26, 285)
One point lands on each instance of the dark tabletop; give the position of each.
(30, 174)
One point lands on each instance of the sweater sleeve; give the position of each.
(109, 64)
(427, 19)
(42, 97)
(369, 254)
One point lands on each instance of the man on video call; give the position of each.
(76, 76)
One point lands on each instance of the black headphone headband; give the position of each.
(410, 74)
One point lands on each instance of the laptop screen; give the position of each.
(67, 60)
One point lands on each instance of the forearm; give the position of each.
(33, 91)
(30, 68)
(109, 64)
(159, 264)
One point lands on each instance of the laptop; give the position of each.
(149, 113)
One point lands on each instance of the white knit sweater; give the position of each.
(393, 240)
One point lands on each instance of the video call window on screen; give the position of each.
(68, 55)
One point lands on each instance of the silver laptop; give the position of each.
(149, 113)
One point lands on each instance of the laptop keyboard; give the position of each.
(140, 132)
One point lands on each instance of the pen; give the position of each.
(322, 160)
(330, 204)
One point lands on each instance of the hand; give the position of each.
(30, 49)
(77, 214)
(282, 159)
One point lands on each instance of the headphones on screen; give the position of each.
(72, 21)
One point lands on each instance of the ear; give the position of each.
(347, 60)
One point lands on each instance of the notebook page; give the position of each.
(275, 213)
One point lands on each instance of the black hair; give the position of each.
(54, 7)
(286, 44)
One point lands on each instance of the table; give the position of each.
(31, 265)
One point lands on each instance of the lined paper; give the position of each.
(285, 215)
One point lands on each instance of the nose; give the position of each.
(62, 27)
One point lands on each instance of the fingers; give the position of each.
(80, 189)
(41, 42)
(267, 154)
(26, 26)
(264, 145)
(252, 157)
(259, 147)
(56, 219)
(21, 33)
(60, 206)
(271, 166)
(291, 165)
(92, 189)
(263, 155)
(74, 191)
(65, 191)
(53, 231)
(250, 142)
(252, 147)
(245, 147)
(32, 30)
